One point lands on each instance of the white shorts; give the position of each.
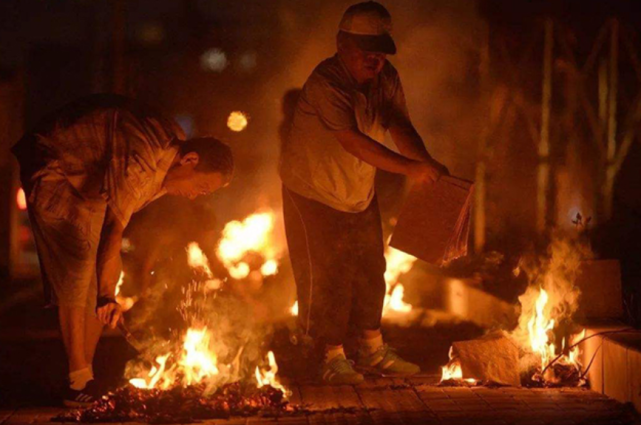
(66, 228)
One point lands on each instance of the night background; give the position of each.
(537, 102)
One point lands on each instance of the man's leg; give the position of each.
(321, 261)
(369, 296)
(93, 331)
(72, 328)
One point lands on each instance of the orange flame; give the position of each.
(197, 259)
(268, 376)
(453, 371)
(198, 360)
(294, 309)
(253, 234)
(398, 263)
(125, 302)
(197, 363)
(552, 297)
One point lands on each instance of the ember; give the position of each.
(181, 404)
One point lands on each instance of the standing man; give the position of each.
(327, 166)
(85, 170)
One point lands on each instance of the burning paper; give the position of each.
(550, 300)
(545, 323)
(209, 354)
(492, 358)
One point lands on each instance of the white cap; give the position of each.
(371, 24)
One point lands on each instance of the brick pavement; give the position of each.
(419, 401)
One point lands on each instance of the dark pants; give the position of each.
(339, 266)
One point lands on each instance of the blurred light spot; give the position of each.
(213, 60)
(248, 61)
(150, 33)
(125, 245)
(270, 268)
(240, 271)
(237, 121)
(186, 122)
(21, 200)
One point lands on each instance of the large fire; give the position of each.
(209, 354)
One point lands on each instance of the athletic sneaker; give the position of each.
(83, 398)
(385, 361)
(339, 371)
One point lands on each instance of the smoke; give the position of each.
(227, 336)
(551, 298)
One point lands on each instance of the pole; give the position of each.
(610, 171)
(543, 177)
(480, 181)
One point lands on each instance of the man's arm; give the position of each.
(410, 144)
(108, 268)
(377, 155)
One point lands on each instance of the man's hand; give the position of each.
(426, 172)
(109, 311)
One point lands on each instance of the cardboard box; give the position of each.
(434, 223)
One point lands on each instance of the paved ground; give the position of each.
(420, 401)
(32, 368)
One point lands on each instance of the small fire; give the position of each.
(252, 235)
(540, 326)
(197, 362)
(125, 302)
(154, 375)
(550, 299)
(268, 376)
(121, 279)
(398, 263)
(197, 259)
(294, 309)
(452, 371)
(237, 121)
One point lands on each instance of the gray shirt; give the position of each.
(313, 162)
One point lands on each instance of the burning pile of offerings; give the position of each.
(209, 362)
(545, 342)
(182, 404)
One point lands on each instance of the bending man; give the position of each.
(85, 170)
